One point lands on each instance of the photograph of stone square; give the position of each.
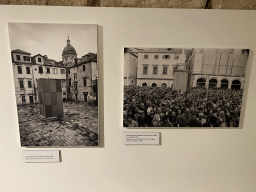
(184, 87)
(56, 83)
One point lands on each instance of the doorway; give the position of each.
(31, 99)
(85, 96)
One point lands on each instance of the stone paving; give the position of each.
(79, 127)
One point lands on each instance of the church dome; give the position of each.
(69, 49)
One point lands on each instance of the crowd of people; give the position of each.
(197, 107)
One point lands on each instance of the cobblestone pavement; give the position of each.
(79, 127)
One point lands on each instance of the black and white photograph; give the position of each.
(184, 87)
(55, 73)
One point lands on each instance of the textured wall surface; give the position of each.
(196, 4)
(191, 4)
(232, 4)
(52, 2)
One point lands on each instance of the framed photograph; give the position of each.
(56, 83)
(184, 87)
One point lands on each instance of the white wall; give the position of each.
(130, 69)
(188, 160)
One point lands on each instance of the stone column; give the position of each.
(207, 82)
(229, 83)
(242, 85)
(219, 83)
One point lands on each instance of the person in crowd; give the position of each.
(194, 122)
(211, 120)
(131, 122)
(185, 118)
(173, 119)
(201, 119)
(222, 119)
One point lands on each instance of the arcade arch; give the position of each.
(224, 84)
(200, 82)
(236, 84)
(164, 85)
(213, 83)
(154, 85)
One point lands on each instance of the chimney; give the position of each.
(45, 56)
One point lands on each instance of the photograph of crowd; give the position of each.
(178, 87)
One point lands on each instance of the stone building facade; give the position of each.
(81, 77)
(156, 66)
(27, 70)
(81, 74)
(45, 68)
(217, 68)
(208, 68)
(23, 76)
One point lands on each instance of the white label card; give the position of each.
(135, 138)
(41, 156)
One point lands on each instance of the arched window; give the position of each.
(200, 82)
(164, 85)
(224, 84)
(154, 85)
(213, 83)
(144, 84)
(236, 84)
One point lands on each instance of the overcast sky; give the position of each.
(50, 39)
